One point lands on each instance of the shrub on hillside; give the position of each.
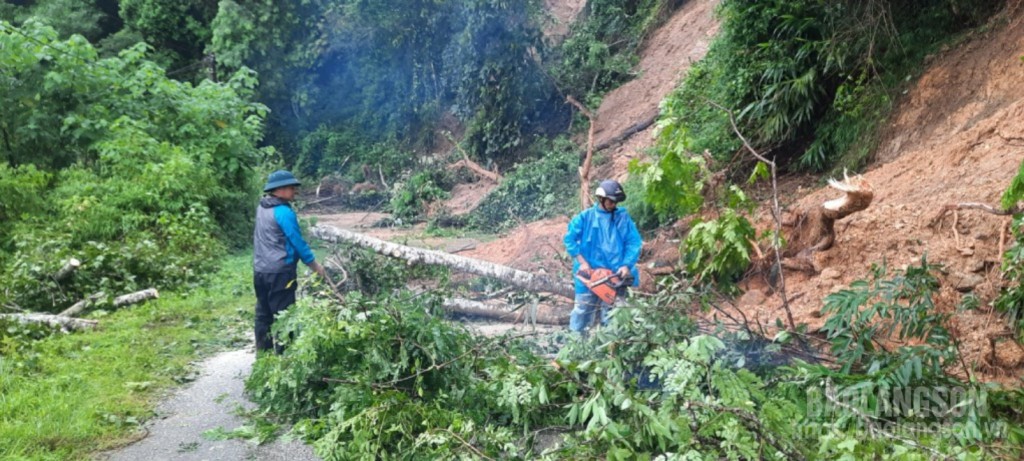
(534, 190)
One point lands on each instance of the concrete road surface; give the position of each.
(207, 403)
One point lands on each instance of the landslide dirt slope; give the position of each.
(957, 136)
(665, 58)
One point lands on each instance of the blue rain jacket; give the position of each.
(277, 240)
(607, 240)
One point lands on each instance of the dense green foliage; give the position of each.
(719, 249)
(70, 396)
(1011, 299)
(142, 178)
(178, 29)
(411, 201)
(389, 378)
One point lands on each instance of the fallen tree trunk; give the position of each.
(546, 314)
(120, 301)
(56, 321)
(81, 305)
(521, 279)
(643, 125)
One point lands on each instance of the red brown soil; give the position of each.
(958, 136)
(664, 59)
(535, 247)
(465, 197)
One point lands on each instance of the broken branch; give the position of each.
(471, 165)
(946, 209)
(776, 212)
(588, 160)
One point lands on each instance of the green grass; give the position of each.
(69, 396)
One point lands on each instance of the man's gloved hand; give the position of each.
(623, 273)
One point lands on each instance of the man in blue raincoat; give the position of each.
(602, 236)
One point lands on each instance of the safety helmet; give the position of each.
(611, 189)
(280, 178)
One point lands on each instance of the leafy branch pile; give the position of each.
(388, 377)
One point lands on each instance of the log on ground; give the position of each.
(546, 314)
(512, 276)
(56, 321)
(120, 301)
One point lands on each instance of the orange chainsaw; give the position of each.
(604, 283)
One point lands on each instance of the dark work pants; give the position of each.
(274, 293)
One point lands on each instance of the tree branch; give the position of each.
(588, 160)
(776, 212)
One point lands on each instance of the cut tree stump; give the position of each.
(56, 321)
(69, 267)
(512, 276)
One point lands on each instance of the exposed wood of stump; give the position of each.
(69, 267)
(814, 230)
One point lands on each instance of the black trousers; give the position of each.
(274, 293)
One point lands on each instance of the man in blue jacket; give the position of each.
(602, 236)
(277, 248)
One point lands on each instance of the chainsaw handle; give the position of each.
(624, 282)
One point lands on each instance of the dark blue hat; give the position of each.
(280, 178)
(611, 189)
